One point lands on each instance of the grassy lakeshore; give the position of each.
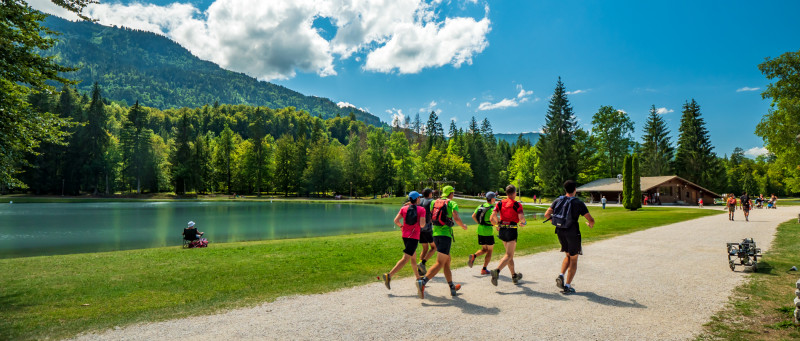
(60, 296)
(762, 308)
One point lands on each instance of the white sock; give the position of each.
(562, 275)
(567, 285)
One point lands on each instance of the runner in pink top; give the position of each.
(410, 219)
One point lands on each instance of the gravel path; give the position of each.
(661, 283)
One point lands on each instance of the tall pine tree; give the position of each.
(657, 151)
(557, 162)
(95, 141)
(695, 153)
(182, 157)
(434, 131)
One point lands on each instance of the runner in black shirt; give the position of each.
(745, 202)
(570, 237)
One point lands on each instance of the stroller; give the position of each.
(759, 203)
(770, 204)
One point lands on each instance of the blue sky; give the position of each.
(413, 60)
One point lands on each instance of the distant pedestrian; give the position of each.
(444, 213)
(700, 202)
(410, 219)
(565, 212)
(483, 216)
(745, 203)
(603, 201)
(508, 216)
(731, 206)
(426, 234)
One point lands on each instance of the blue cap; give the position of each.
(490, 195)
(414, 195)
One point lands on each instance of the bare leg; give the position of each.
(441, 260)
(508, 258)
(448, 275)
(424, 251)
(488, 257)
(431, 252)
(401, 263)
(565, 263)
(573, 267)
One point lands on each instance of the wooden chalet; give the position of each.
(671, 189)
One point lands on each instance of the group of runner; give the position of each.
(745, 203)
(427, 221)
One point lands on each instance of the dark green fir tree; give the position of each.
(557, 162)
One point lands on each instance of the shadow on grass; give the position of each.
(466, 307)
(595, 298)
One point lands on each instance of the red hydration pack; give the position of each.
(439, 213)
(509, 211)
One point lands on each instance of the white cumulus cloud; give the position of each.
(397, 115)
(746, 88)
(664, 110)
(273, 39)
(345, 105)
(756, 151)
(522, 97)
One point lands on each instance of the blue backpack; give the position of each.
(562, 212)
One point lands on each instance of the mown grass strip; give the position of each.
(60, 296)
(762, 308)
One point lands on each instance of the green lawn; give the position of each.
(60, 296)
(762, 308)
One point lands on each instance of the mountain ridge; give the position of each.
(133, 65)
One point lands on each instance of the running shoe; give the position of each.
(485, 272)
(454, 288)
(420, 289)
(515, 278)
(568, 290)
(421, 269)
(471, 260)
(495, 275)
(386, 279)
(560, 282)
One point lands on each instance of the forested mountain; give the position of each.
(511, 137)
(131, 65)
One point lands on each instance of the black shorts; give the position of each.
(746, 208)
(426, 237)
(508, 234)
(411, 246)
(570, 242)
(485, 240)
(442, 244)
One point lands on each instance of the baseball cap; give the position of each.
(447, 190)
(414, 195)
(191, 223)
(491, 195)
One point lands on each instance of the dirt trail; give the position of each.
(661, 283)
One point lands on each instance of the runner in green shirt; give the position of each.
(483, 216)
(444, 214)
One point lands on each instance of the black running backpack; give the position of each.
(482, 212)
(411, 215)
(562, 212)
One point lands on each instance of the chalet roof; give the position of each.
(648, 183)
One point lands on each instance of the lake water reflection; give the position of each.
(46, 229)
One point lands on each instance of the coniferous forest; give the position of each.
(143, 129)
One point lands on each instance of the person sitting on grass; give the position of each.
(409, 220)
(191, 227)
